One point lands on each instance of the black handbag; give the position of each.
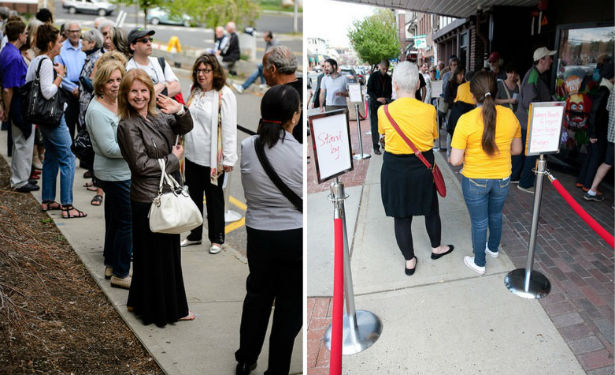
(41, 111)
(82, 147)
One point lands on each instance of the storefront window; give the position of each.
(581, 51)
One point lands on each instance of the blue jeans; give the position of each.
(58, 154)
(257, 73)
(118, 226)
(485, 199)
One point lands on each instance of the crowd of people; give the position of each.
(129, 105)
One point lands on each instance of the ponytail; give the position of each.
(484, 89)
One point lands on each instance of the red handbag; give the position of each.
(438, 180)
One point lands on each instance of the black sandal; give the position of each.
(68, 208)
(50, 206)
(97, 200)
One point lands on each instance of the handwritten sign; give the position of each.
(544, 128)
(331, 144)
(354, 93)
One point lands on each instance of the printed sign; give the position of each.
(331, 144)
(544, 128)
(354, 93)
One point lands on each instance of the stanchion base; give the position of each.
(539, 285)
(361, 156)
(369, 328)
(231, 216)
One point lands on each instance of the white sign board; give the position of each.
(331, 144)
(354, 93)
(544, 128)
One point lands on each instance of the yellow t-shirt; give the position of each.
(464, 94)
(416, 119)
(468, 136)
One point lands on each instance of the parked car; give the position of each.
(157, 16)
(352, 75)
(100, 7)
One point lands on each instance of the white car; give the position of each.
(100, 7)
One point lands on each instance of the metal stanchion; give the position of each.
(229, 215)
(361, 328)
(525, 282)
(361, 155)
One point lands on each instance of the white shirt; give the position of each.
(204, 111)
(154, 70)
(333, 86)
(427, 87)
(46, 75)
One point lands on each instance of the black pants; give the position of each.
(276, 265)
(71, 115)
(595, 156)
(373, 119)
(197, 179)
(403, 231)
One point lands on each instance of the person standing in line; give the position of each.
(379, 90)
(280, 66)
(408, 187)
(258, 73)
(314, 102)
(145, 134)
(214, 109)
(508, 89)
(533, 89)
(112, 171)
(334, 87)
(483, 142)
(427, 77)
(13, 73)
(275, 231)
(447, 73)
(495, 64)
(72, 58)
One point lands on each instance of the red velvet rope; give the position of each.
(583, 214)
(337, 325)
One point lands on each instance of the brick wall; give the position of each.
(21, 8)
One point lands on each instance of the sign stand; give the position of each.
(360, 155)
(543, 135)
(361, 328)
(356, 97)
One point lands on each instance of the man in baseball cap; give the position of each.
(533, 89)
(495, 63)
(138, 33)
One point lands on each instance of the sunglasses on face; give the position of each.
(145, 40)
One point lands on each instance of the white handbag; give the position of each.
(173, 212)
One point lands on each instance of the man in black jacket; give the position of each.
(379, 89)
(230, 54)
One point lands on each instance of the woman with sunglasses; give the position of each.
(211, 147)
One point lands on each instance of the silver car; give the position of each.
(100, 7)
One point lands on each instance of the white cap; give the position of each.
(541, 52)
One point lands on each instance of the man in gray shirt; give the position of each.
(334, 87)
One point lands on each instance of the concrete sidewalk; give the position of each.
(215, 287)
(443, 320)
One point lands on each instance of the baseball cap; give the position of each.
(494, 57)
(541, 52)
(138, 33)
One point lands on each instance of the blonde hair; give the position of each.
(125, 109)
(103, 73)
(110, 56)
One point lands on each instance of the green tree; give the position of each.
(375, 37)
(213, 13)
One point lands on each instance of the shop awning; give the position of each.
(449, 8)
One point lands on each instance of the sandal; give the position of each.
(90, 186)
(190, 316)
(50, 206)
(97, 200)
(67, 208)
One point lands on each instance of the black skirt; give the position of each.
(157, 292)
(406, 185)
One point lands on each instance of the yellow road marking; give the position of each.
(237, 203)
(235, 225)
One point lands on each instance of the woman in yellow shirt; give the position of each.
(407, 186)
(484, 140)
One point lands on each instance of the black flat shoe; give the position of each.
(410, 271)
(438, 256)
(244, 368)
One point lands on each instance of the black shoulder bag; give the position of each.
(277, 181)
(41, 111)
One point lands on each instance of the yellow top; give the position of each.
(416, 119)
(464, 94)
(468, 136)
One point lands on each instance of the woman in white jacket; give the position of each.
(211, 146)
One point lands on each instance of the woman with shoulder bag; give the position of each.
(211, 147)
(483, 142)
(275, 230)
(57, 140)
(145, 135)
(408, 187)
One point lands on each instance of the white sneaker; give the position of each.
(215, 249)
(239, 88)
(188, 242)
(493, 254)
(469, 262)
